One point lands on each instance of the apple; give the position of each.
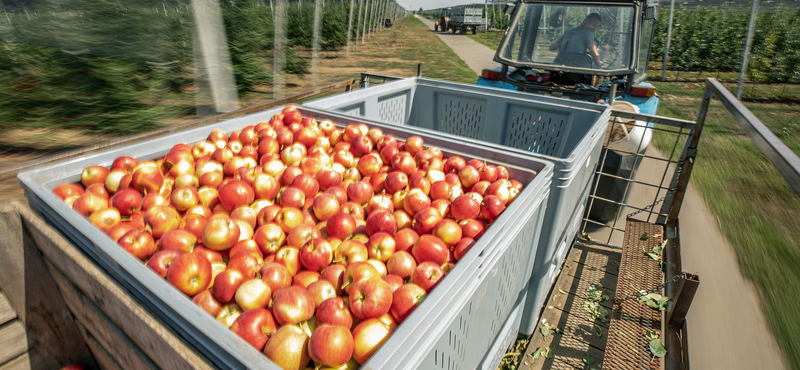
(300, 235)
(247, 263)
(211, 256)
(341, 225)
(265, 187)
(124, 163)
(381, 221)
(293, 305)
(370, 164)
(394, 281)
(209, 196)
(222, 155)
(425, 220)
(89, 203)
(472, 228)
(339, 193)
(255, 327)
(246, 214)
(427, 275)
(325, 206)
(105, 219)
(491, 207)
(69, 190)
(267, 214)
(269, 238)
(335, 275)
(469, 176)
(360, 192)
(370, 298)
(190, 273)
(147, 179)
(448, 231)
(181, 240)
(415, 200)
(443, 206)
(465, 208)
(226, 284)
(357, 271)
(404, 162)
(161, 219)
(221, 234)
(316, 254)
(331, 345)
(430, 248)
(208, 303)
(288, 348)
(187, 180)
(380, 202)
(253, 294)
(405, 299)
(289, 258)
(401, 264)
(414, 144)
(381, 246)
(138, 243)
(288, 218)
(368, 336)
(321, 290)
(462, 248)
(236, 193)
(94, 175)
(378, 265)
(334, 311)
(120, 229)
(113, 180)
(161, 261)
(194, 223)
(405, 239)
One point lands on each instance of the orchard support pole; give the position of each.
(315, 41)
(359, 25)
(751, 25)
(279, 61)
(666, 45)
(366, 15)
(213, 55)
(349, 27)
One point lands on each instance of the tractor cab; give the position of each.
(575, 49)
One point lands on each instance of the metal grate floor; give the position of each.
(627, 347)
(587, 264)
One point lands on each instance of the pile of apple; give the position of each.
(309, 241)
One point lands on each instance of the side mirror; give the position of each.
(508, 9)
(651, 10)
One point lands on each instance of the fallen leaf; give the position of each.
(538, 354)
(644, 236)
(657, 348)
(598, 331)
(545, 330)
(588, 360)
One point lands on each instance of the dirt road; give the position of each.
(727, 329)
(477, 56)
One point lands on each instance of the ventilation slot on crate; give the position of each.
(392, 109)
(535, 131)
(462, 117)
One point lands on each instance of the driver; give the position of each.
(574, 45)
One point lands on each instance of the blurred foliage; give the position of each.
(712, 39)
(125, 67)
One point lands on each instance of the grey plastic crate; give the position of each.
(456, 323)
(568, 133)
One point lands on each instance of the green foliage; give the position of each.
(713, 38)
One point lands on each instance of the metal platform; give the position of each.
(583, 336)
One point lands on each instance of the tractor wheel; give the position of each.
(463, 30)
(474, 30)
(453, 29)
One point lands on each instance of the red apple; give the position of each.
(430, 248)
(462, 248)
(89, 203)
(194, 223)
(207, 302)
(265, 187)
(472, 228)
(181, 240)
(321, 290)
(425, 220)
(381, 246)
(288, 218)
(405, 299)
(236, 193)
(427, 275)
(289, 258)
(380, 202)
(293, 305)
(105, 219)
(368, 336)
(360, 192)
(147, 179)
(138, 243)
(288, 347)
(381, 221)
(316, 254)
(94, 175)
(401, 264)
(125, 163)
(357, 271)
(370, 298)
(339, 193)
(253, 294)
(161, 261)
(269, 238)
(247, 264)
(405, 239)
(331, 346)
(335, 275)
(465, 208)
(335, 311)
(491, 207)
(221, 234)
(161, 219)
(414, 144)
(190, 273)
(448, 231)
(226, 284)
(120, 229)
(341, 225)
(255, 327)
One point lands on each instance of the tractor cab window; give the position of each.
(558, 36)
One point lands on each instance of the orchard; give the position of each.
(310, 241)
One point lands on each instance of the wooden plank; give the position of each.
(7, 312)
(33, 295)
(108, 335)
(149, 333)
(101, 356)
(12, 272)
(31, 360)
(13, 341)
(599, 257)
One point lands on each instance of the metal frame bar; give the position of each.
(784, 160)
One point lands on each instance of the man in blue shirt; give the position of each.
(578, 45)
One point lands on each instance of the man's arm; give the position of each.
(556, 44)
(594, 53)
